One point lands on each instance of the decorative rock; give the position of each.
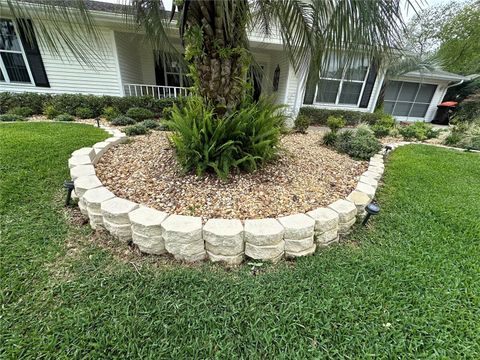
(92, 199)
(325, 219)
(306, 252)
(224, 237)
(79, 160)
(261, 232)
(84, 183)
(100, 149)
(360, 200)
(88, 151)
(369, 181)
(298, 245)
(376, 162)
(373, 175)
(146, 230)
(272, 253)
(230, 260)
(345, 228)
(366, 189)
(298, 226)
(345, 209)
(115, 217)
(116, 140)
(376, 169)
(378, 157)
(183, 237)
(327, 237)
(81, 170)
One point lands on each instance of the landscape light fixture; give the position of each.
(69, 186)
(371, 209)
(97, 119)
(387, 148)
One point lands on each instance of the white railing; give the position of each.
(159, 92)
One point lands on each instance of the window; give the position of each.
(171, 72)
(341, 84)
(408, 99)
(13, 65)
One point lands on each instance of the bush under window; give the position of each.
(319, 116)
(360, 144)
(23, 111)
(139, 114)
(84, 113)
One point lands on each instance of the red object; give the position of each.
(448, 103)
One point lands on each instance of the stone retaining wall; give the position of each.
(229, 241)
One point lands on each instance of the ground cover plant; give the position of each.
(407, 286)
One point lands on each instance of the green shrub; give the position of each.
(418, 130)
(453, 139)
(319, 116)
(241, 140)
(150, 124)
(110, 113)
(50, 112)
(84, 113)
(302, 123)
(469, 109)
(139, 114)
(360, 144)
(380, 131)
(33, 101)
(65, 117)
(465, 135)
(329, 138)
(137, 129)
(23, 111)
(12, 117)
(335, 123)
(123, 120)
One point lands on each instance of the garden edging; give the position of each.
(225, 240)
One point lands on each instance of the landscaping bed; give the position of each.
(306, 176)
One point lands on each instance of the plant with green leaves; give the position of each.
(302, 122)
(139, 114)
(137, 129)
(110, 113)
(64, 118)
(12, 117)
(335, 123)
(23, 111)
(84, 113)
(360, 144)
(123, 120)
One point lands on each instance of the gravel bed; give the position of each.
(305, 176)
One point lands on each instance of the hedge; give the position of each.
(69, 103)
(319, 116)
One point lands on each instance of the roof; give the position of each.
(437, 74)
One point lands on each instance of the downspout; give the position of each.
(456, 84)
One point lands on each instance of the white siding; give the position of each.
(68, 75)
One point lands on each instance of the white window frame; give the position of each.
(180, 74)
(24, 56)
(340, 88)
(413, 102)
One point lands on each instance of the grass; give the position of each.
(407, 287)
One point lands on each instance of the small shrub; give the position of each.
(380, 131)
(360, 144)
(242, 140)
(319, 116)
(342, 143)
(123, 120)
(139, 114)
(50, 112)
(34, 101)
(408, 132)
(150, 124)
(335, 123)
(12, 117)
(137, 129)
(64, 117)
(470, 108)
(110, 113)
(84, 113)
(329, 138)
(302, 123)
(23, 111)
(453, 139)
(418, 130)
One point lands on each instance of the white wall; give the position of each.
(67, 75)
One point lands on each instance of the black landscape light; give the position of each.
(69, 186)
(387, 148)
(97, 119)
(371, 209)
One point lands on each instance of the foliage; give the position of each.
(110, 113)
(470, 108)
(335, 123)
(64, 117)
(359, 144)
(23, 111)
(302, 122)
(68, 103)
(84, 113)
(329, 138)
(123, 120)
(319, 116)
(12, 117)
(242, 140)
(465, 135)
(97, 302)
(418, 130)
(384, 125)
(150, 124)
(50, 112)
(460, 45)
(137, 129)
(139, 114)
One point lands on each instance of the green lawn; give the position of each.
(408, 287)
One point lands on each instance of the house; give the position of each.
(127, 65)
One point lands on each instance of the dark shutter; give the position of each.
(310, 87)
(32, 52)
(159, 70)
(369, 83)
